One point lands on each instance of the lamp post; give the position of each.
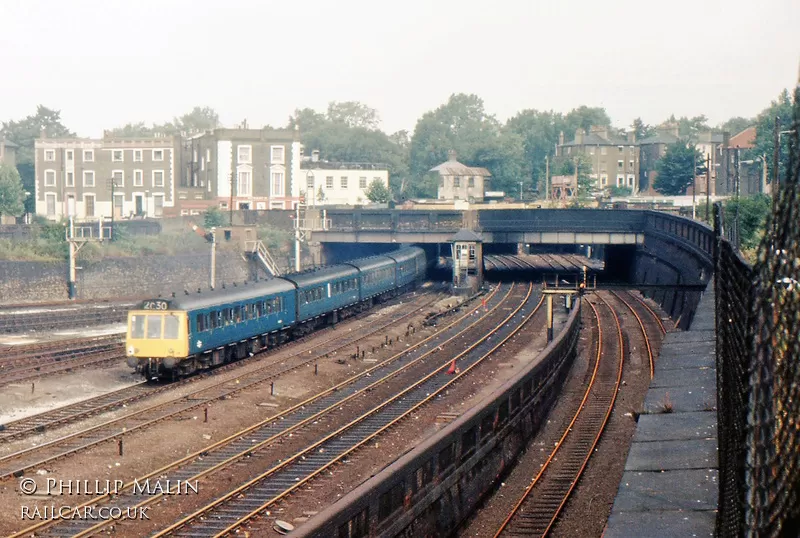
(520, 191)
(694, 184)
(113, 186)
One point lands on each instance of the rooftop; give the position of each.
(454, 168)
(333, 165)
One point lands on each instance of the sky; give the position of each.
(108, 62)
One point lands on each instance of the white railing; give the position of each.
(260, 250)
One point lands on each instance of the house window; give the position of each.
(88, 155)
(471, 182)
(138, 178)
(158, 178)
(137, 155)
(362, 183)
(329, 182)
(88, 204)
(244, 184)
(208, 155)
(158, 205)
(604, 180)
(591, 150)
(88, 178)
(457, 182)
(603, 150)
(276, 154)
(631, 165)
(49, 155)
(343, 182)
(620, 164)
(158, 154)
(118, 177)
(277, 184)
(51, 204)
(49, 178)
(620, 181)
(244, 154)
(70, 155)
(117, 155)
(70, 179)
(631, 180)
(276, 205)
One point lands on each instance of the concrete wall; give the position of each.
(23, 282)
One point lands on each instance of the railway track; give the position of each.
(230, 511)
(19, 462)
(544, 499)
(228, 451)
(46, 319)
(629, 300)
(27, 362)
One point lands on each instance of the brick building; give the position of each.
(80, 176)
(614, 159)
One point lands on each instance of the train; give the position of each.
(168, 338)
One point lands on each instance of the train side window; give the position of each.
(468, 443)
(446, 458)
(236, 316)
(391, 500)
(487, 425)
(137, 326)
(515, 399)
(171, 325)
(502, 413)
(218, 318)
(260, 309)
(154, 326)
(200, 322)
(358, 527)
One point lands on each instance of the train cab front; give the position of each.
(157, 339)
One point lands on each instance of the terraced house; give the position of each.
(614, 159)
(250, 168)
(93, 178)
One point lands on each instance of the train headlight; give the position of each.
(131, 350)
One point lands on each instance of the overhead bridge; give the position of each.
(531, 226)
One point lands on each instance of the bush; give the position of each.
(213, 218)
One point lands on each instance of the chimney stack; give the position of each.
(579, 136)
(43, 133)
(451, 155)
(315, 156)
(561, 138)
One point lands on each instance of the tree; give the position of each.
(462, 124)
(765, 131)
(213, 218)
(753, 211)
(133, 130)
(675, 168)
(585, 117)
(735, 125)
(12, 194)
(306, 119)
(353, 114)
(566, 167)
(642, 130)
(25, 132)
(377, 192)
(198, 120)
(689, 128)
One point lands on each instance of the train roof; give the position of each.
(373, 262)
(404, 254)
(229, 294)
(321, 275)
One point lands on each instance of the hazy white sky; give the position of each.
(107, 62)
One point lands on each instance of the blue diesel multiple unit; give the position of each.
(178, 336)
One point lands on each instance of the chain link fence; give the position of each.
(758, 369)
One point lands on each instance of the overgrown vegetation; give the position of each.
(47, 243)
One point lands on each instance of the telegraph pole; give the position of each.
(213, 275)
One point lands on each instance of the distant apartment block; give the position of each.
(252, 168)
(458, 181)
(614, 159)
(339, 183)
(91, 178)
(8, 152)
